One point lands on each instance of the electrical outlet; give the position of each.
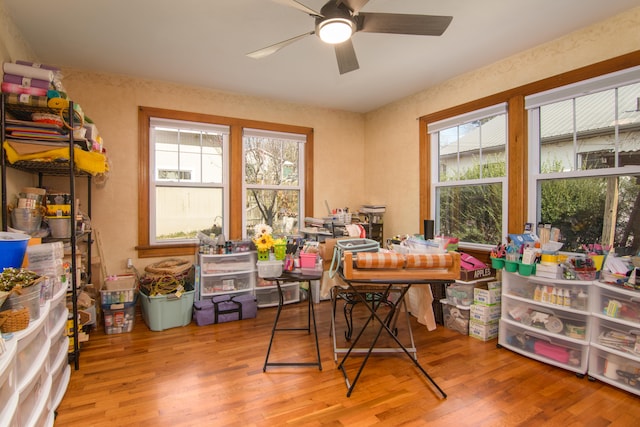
(129, 263)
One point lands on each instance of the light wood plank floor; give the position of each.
(212, 376)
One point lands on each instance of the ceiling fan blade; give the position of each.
(354, 5)
(297, 5)
(269, 50)
(346, 56)
(395, 23)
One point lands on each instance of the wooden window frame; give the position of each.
(147, 250)
(517, 175)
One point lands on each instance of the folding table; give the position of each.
(288, 277)
(436, 269)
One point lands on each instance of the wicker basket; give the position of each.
(14, 320)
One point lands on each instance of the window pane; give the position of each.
(277, 208)
(593, 210)
(601, 141)
(271, 161)
(556, 137)
(473, 150)
(183, 211)
(473, 213)
(188, 156)
(629, 124)
(595, 119)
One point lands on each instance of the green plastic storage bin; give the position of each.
(166, 311)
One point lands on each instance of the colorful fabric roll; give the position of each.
(24, 99)
(27, 71)
(379, 260)
(428, 260)
(26, 81)
(15, 88)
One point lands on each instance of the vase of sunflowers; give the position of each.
(264, 241)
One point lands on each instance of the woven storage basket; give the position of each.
(14, 320)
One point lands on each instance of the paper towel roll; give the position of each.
(26, 71)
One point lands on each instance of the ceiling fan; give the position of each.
(338, 20)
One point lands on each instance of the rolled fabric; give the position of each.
(37, 65)
(35, 101)
(379, 260)
(428, 260)
(58, 103)
(26, 81)
(15, 88)
(27, 71)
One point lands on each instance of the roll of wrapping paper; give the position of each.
(23, 99)
(26, 81)
(14, 88)
(27, 71)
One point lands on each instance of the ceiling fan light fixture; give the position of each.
(335, 30)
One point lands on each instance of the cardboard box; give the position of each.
(120, 283)
(483, 331)
(485, 313)
(480, 273)
(487, 296)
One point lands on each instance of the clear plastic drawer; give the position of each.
(549, 349)
(226, 283)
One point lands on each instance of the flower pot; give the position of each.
(263, 255)
(280, 251)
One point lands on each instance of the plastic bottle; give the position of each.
(582, 300)
(567, 298)
(545, 294)
(537, 294)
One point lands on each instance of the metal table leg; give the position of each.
(311, 316)
(383, 326)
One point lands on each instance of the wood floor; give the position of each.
(213, 376)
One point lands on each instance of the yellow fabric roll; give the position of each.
(90, 162)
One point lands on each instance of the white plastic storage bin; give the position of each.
(234, 282)
(269, 269)
(548, 349)
(8, 391)
(455, 316)
(220, 264)
(615, 368)
(552, 320)
(267, 296)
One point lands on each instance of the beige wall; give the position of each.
(393, 126)
(341, 154)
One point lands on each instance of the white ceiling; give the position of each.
(205, 42)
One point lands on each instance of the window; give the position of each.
(273, 180)
(585, 161)
(214, 174)
(188, 184)
(469, 175)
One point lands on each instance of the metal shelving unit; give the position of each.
(42, 169)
